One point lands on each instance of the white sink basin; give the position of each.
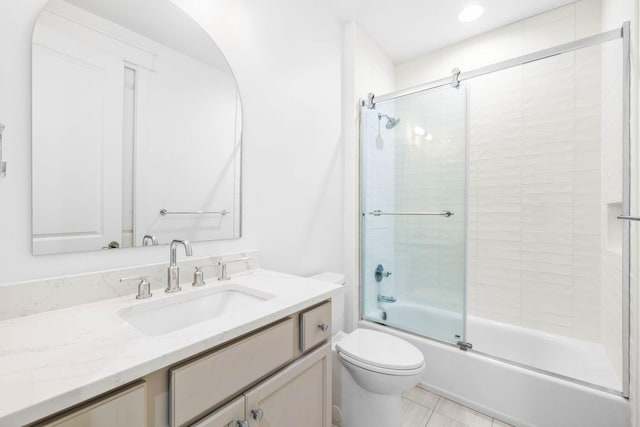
(180, 311)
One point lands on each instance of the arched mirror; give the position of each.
(136, 128)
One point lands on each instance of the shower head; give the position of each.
(391, 121)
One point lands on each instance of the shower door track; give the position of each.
(623, 33)
(509, 63)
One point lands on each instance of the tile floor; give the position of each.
(421, 408)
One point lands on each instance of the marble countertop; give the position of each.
(53, 360)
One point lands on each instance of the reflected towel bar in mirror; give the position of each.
(441, 213)
(165, 212)
(3, 163)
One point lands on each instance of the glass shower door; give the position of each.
(413, 156)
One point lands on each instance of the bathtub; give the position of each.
(520, 396)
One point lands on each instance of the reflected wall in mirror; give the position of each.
(135, 111)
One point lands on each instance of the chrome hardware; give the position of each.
(243, 423)
(464, 346)
(441, 213)
(384, 298)
(198, 278)
(173, 272)
(149, 240)
(3, 163)
(222, 268)
(324, 327)
(380, 273)
(455, 79)
(370, 104)
(629, 218)
(144, 287)
(165, 212)
(257, 414)
(198, 275)
(509, 63)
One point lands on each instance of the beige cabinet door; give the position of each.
(231, 415)
(299, 395)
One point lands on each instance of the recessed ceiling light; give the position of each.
(429, 137)
(470, 13)
(418, 131)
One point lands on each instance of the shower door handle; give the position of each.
(440, 213)
(629, 218)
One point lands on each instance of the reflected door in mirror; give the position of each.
(129, 120)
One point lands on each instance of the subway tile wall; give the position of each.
(543, 177)
(379, 194)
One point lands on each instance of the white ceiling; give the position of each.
(405, 29)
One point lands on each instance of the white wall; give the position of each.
(286, 56)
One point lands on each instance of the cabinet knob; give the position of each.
(324, 327)
(257, 414)
(244, 423)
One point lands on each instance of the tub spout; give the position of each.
(384, 298)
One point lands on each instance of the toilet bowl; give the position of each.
(371, 369)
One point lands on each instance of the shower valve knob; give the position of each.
(380, 273)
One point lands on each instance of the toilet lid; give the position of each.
(380, 350)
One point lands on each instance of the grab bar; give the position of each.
(629, 218)
(165, 212)
(441, 213)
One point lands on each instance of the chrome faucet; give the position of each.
(385, 298)
(222, 268)
(173, 273)
(149, 240)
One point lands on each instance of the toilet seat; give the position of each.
(380, 352)
(379, 370)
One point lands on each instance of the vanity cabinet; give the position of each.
(276, 376)
(231, 415)
(125, 407)
(299, 395)
(201, 384)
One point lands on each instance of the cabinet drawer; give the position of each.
(126, 407)
(315, 326)
(228, 415)
(202, 384)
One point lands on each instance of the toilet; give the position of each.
(371, 370)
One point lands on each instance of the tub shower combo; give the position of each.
(495, 208)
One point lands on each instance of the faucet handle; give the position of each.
(144, 287)
(222, 267)
(198, 275)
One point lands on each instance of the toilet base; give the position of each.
(361, 408)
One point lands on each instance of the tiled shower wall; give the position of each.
(430, 177)
(535, 179)
(611, 202)
(379, 194)
(534, 196)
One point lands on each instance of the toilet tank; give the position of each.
(337, 302)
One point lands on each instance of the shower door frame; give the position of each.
(623, 33)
